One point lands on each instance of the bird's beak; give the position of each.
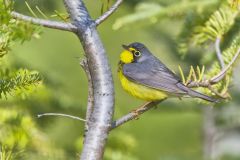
(125, 47)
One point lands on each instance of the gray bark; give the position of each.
(44, 22)
(103, 93)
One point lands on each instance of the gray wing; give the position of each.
(154, 74)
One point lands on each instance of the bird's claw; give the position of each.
(136, 114)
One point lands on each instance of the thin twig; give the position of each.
(103, 17)
(46, 23)
(61, 115)
(194, 84)
(134, 114)
(218, 52)
(220, 76)
(84, 65)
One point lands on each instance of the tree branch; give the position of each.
(218, 52)
(217, 78)
(134, 114)
(46, 23)
(220, 76)
(103, 17)
(90, 104)
(61, 115)
(101, 118)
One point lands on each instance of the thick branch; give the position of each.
(46, 23)
(103, 17)
(101, 118)
(134, 114)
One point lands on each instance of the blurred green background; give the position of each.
(172, 131)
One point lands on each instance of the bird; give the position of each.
(145, 77)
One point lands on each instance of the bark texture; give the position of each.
(103, 94)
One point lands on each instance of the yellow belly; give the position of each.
(140, 91)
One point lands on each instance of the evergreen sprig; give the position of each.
(153, 11)
(210, 82)
(18, 83)
(20, 132)
(12, 30)
(196, 75)
(227, 56)
(217, 25)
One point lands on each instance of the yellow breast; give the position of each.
(140, 91)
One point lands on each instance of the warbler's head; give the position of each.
(134, 52)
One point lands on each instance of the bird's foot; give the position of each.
(135, 113)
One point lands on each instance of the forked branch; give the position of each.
(217, 78)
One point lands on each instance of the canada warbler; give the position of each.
(146, 77)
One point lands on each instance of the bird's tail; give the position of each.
(202, 96)
(196, 94)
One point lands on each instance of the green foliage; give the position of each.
(217, 25)
(201, 29)
(105, 5)
(6, 154)
(191, 20)
(39, 13)
(143, 11)
(220, 88)
(194, 75)
(120, 146)
(154, 11)
(20, 83)
(234, 3)
(62, 16)
(19, 132)
(227, 55)
(12, 30)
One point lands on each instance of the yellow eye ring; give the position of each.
(137, 54)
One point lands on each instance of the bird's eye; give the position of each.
(137, 54)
